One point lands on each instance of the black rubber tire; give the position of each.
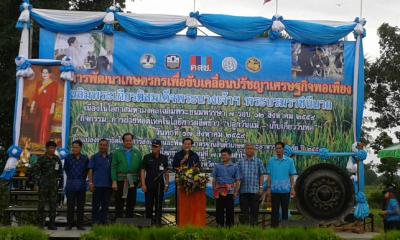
(325, 193)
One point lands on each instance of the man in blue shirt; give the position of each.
(75, 166)
(226, 184)
(280, 171)
(100, 182)
(252, 172)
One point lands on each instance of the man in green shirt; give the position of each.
(125, 172)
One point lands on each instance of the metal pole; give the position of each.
(361, 8)
(276, 7)
(202, 31)
(355, 86)
(358, 176)
(194, 5)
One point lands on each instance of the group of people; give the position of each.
(321, 61)
(245, 180)
(125, 170)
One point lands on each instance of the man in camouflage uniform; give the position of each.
(47, 174)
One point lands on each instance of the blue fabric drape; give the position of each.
(362, 208)
(144, 30)
(8, 175)
(234, 27)
(69, 28)
(316, 34)
(360, 95)
(227, 26)
(20, 24)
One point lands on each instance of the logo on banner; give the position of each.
(148, 60)
(253, 64)
(173, 62)
(200, 64)
(229, 64)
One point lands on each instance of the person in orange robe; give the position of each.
(44, 101)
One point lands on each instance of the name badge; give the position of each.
(56, 167)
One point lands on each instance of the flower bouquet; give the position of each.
(191, 180)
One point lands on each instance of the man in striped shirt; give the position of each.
(252, 173)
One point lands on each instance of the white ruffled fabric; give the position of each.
(109, 18)
(24, 73)
(156, 19)
(67, 75)
(359, 28)
(25, 15)
(192, 22)
(69, 17)
(11, 163)
(277, 25)
(351, 167)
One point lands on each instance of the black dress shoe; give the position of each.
(52, 228)
(81, 228)
(68, 228)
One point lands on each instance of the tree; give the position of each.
(381, 142)
(383, 79)
(94, 5)
(371, 178)
(383, 92)
(9, 50)
(388, 166)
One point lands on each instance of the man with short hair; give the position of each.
(154, 171)
(76, 167)
(125, 170)
(47, 174)
(186, 157)
(251, 171)
(226, 184)
(281, 172)
(100, 182)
